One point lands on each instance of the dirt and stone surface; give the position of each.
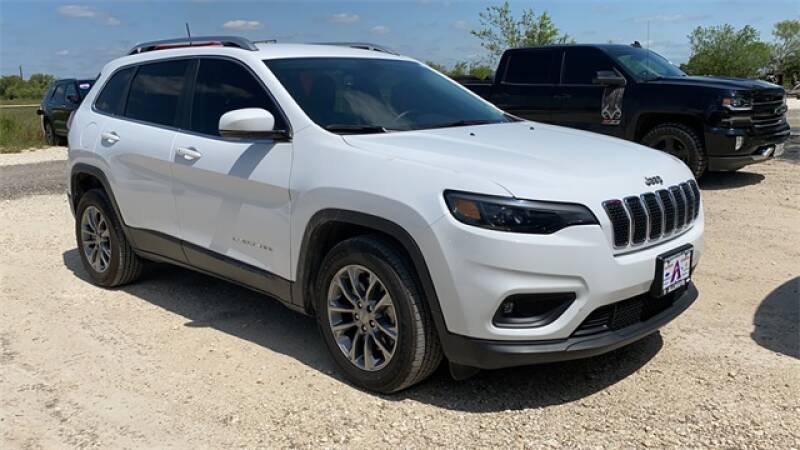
(181, 360)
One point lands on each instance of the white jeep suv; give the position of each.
(414, 220)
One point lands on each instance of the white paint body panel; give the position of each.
(269, 194)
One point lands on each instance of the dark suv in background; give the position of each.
(61, 99)
(633, 93)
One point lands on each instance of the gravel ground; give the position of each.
(181, 360)
(34, 156)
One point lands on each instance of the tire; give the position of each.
(49, 134)
(121, 266)
(680, 141)
(416, 351)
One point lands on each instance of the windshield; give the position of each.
(645, 64)
(368, 95)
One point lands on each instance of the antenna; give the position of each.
(188, 34)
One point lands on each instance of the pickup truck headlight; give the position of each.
(515, 215)
(738, 103)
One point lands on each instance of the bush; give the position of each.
(20, 128)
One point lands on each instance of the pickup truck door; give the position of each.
(56, 105)
(581, 101)
(232, 196)
(528, 84)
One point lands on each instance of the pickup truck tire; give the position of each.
(97, 222)
(414, 354)
(680, 141)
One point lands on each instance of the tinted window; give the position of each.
(644, 64)
(224, 86)
(110, 99)
(58, 95)
(155, 92)
(581, 65)
(372, 95)
(70, 90)
(532, 67)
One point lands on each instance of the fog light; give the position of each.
(532, 310)
(508, 308)
(739, 142)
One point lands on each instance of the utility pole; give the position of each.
(20, 72)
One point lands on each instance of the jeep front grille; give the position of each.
(652, 216)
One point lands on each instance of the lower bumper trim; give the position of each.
(490, 354)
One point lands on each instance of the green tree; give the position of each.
(786, 49)
(501, 30)
(725, 51)
(13, 87)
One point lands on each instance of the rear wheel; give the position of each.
(49, 134)
(373, 317)
(105, 252)
(680, 141)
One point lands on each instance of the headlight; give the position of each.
(738, 103)
(514, 215)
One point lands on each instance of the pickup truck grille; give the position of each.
(768, 111)
(653, 216)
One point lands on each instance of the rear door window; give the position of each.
(155, 92)
(70, 90)
(582, 64)
(112, 99)
(533, 67)
(58, 95)
(223, 86)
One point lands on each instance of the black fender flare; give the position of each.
(302, 288)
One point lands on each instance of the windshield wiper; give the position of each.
(464, 123)
(347, 128)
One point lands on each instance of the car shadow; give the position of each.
(207, 302)
(715, 181)
(777, 320)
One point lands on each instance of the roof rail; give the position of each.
(362, 46)
(199, 41)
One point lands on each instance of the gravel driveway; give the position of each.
(181, 360)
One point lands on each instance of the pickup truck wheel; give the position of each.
(103, 248)
(49, 134)
(680, 141)
(373, 317)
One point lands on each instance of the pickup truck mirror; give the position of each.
(250, 123)
(74, 98)
(609, 78)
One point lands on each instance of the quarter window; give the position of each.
(156, 91)
(111, 99)
(224, 86)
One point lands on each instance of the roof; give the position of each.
(600, 46)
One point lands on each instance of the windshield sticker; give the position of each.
(611, 111)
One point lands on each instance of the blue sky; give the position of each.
(76, 38)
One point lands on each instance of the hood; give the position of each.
(532, 160)
(719, 83)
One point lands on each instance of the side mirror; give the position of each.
(250, 123)
(609, 78)
(74, 98)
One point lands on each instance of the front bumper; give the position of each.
(492, 354)
(722, 153)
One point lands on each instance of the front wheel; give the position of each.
(373, 317)
(680, 141)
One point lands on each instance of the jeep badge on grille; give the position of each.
(649, 181)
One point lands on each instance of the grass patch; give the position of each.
(20, 128)
(21, 101)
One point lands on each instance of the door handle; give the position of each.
(188, 153)
(110, 136)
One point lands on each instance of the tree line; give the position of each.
(14, 87)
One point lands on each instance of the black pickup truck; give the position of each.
(63, 97)
(711, 123)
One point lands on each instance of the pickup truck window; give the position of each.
(644, 64)
(582, 64)
(532, 67)
(371, 95)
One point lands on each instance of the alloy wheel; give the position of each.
(96, 239)
(362, 317)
